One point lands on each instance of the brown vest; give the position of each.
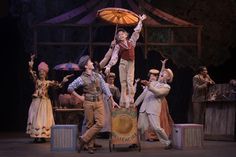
(127, 53)
(91, 85)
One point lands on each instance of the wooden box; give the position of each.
(187, 136)
(64, 137)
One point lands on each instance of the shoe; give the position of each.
(97, 145)
(85, 148)
(36, 140)
(42, 140)
(133, 146)
(90, 150)
(170, 146)
(81, 144)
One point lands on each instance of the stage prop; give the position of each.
(67, 67)
(187, 136)
(118, 16)
(69, 115)
(124, 127)
(220, 111)
(64, 137)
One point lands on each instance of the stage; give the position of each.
(20, 145)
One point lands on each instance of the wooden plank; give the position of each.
(107, 44)
(220, 120)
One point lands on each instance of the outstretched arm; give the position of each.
(135, 84)
(135, 35)
(65, 79)
(108, 55)
(163, 67)
(113, 60)
(31, 64)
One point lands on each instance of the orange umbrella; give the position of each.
(118, 16)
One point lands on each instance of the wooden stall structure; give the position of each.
(157, 20)
(220, 113)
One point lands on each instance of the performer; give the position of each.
(93, 86)
(166, 121)
(107, 107)
(114, 90)
(151, 98)
(201, 82)
(116, 96)
(40, 117)
(125, 49)
(108, 55)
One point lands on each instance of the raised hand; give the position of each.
(142, 17)
(164, 61)
(137, 80)
(32, 57)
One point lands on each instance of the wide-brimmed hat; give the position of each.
(154, 71)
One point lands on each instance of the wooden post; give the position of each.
(35, 41)
(199, 41)
(171, 33)
(90, 41)
(145, 42)
(63, 34)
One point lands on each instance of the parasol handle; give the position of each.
(115, 31)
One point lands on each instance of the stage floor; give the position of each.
(20, 145)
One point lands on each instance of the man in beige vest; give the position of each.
(93, 86)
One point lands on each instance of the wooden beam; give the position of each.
(62, 43)
(107, 44)
(171, 44)
(104, 24)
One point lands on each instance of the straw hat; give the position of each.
(154, 71)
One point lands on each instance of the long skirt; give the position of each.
(40, 118)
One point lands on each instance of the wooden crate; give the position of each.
(64, 137)
(187, 136)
